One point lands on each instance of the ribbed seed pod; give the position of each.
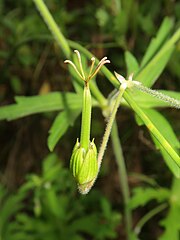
(83, 164)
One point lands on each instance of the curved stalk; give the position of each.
(148, 216)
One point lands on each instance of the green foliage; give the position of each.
(171, 221)
(157, 42)
(46, 206)
(38, 104)
(160, 122)
(155, 64)
(60, 125)
(131, 63)
(142, 196)
(54, 210)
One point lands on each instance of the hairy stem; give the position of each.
(109, 126)
(172, 101)
(122, 177)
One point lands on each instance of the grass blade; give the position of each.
(131, 63)
(149, 74)
(158, 41)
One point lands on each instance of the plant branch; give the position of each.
(148, 216)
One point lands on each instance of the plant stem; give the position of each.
(107, 132)
(122, 177)
(109, 126)
(64, 44)
(55, 30)
(148, 216)
(86, 118)
(163, 97)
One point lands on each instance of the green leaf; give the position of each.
(166, 130)
(37, 104)
(60, 126)
(51, 167)
(149, 74)
(131, 63)
(171, 223)
(9, 207)
(157, 42)
(154, 68)
(141, 196)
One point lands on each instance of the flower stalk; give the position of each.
(83, 162)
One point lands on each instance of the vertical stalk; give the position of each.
(86, 118)
(109, 126)
(122, 177)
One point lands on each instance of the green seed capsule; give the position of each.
(83, 164)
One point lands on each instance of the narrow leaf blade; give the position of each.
(60, 126)
(157, 42)
(149, 74)
(131, 63)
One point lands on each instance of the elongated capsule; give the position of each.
(83, 164)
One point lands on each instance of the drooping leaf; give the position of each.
(37, 104)
(141, 196)
(60, 126)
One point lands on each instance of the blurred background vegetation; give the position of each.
(38, 198)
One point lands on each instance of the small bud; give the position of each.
(127, 83)
(83, 164)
